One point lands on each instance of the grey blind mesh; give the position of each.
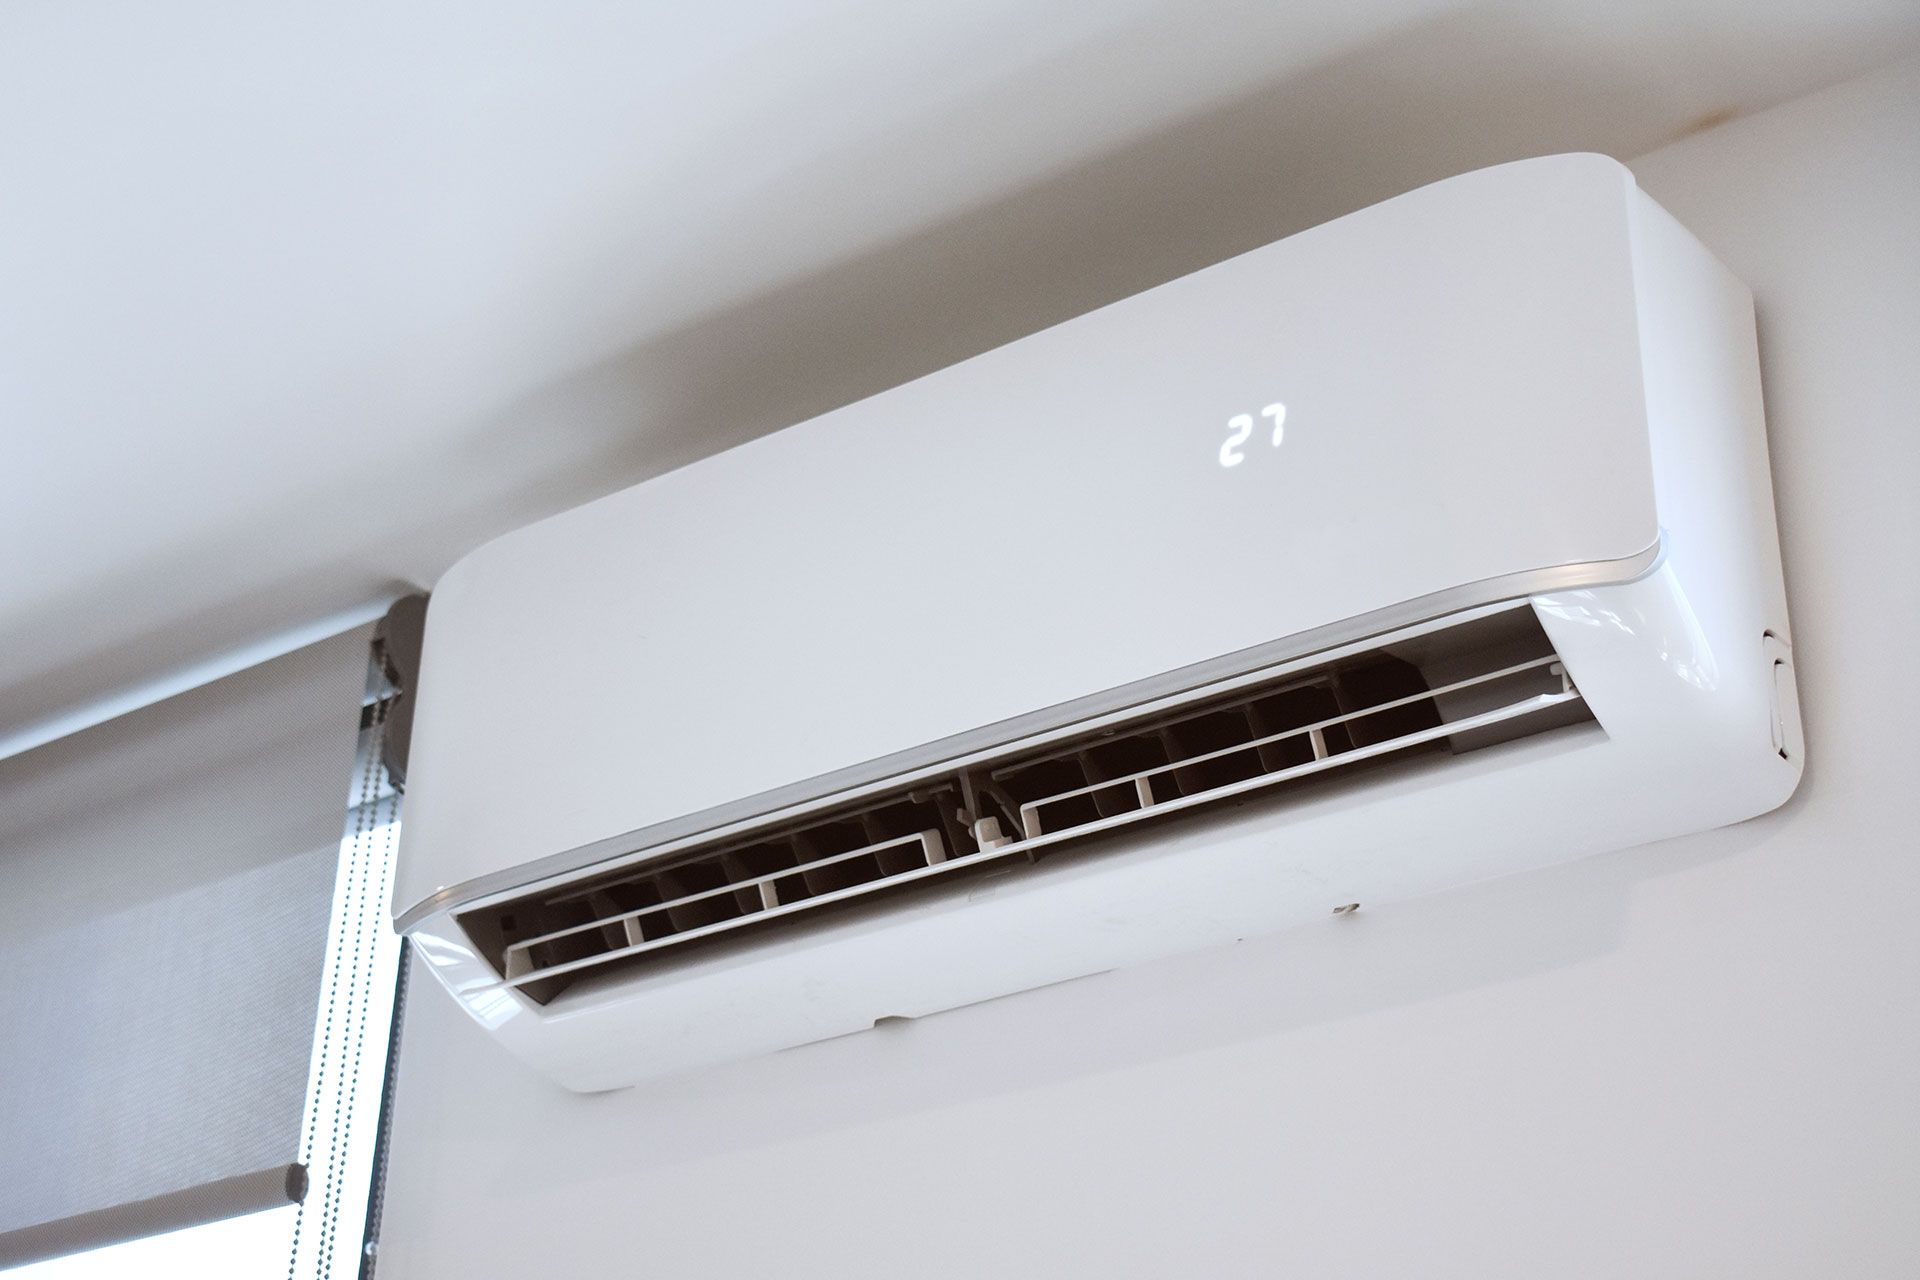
(165, 881)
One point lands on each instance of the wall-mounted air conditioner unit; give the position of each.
(1428, 545)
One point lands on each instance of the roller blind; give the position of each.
(165, 883)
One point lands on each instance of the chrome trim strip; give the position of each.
(831, 787)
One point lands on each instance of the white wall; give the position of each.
(1695, 1059)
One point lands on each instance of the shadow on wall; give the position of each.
(1438, 98)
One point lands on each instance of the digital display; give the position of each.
(1240, 429)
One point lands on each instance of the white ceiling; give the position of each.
(297, 305)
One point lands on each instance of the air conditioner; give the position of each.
(1428, 545)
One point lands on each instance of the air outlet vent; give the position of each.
(1439, 694)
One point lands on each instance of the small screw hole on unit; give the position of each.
(1346, 908)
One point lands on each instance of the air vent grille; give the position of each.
(1441, 693)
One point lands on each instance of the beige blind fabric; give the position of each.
(165, 881)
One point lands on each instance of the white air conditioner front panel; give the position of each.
(1461, 375)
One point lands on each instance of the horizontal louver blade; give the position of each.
(1453, 690)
